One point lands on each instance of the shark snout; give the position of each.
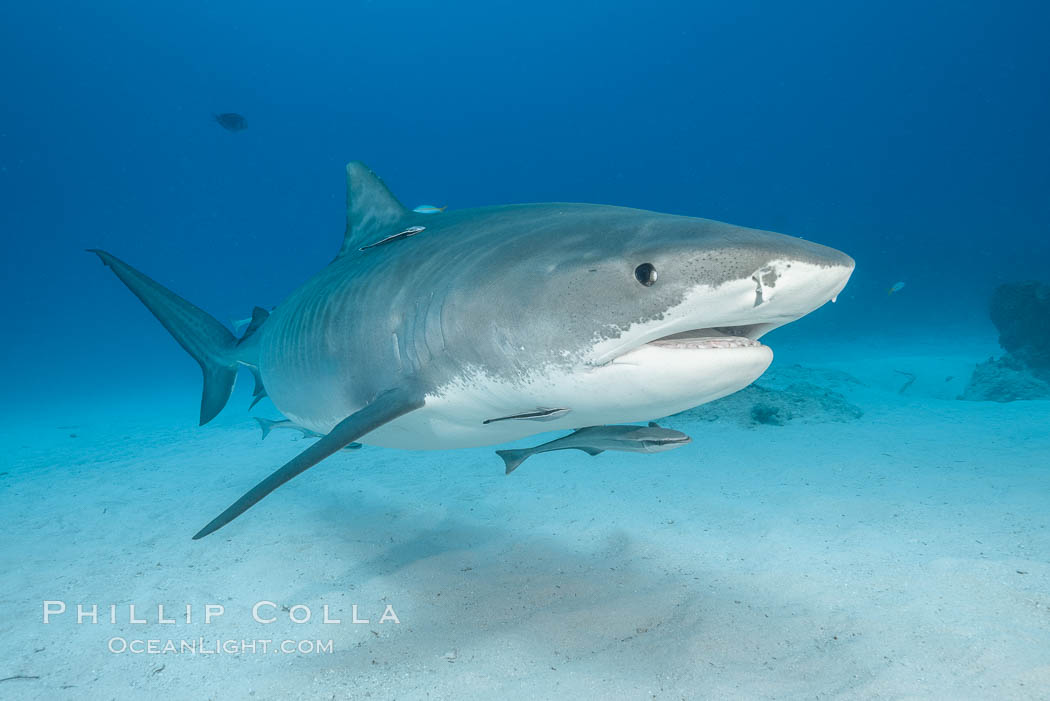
(808, 251)
(790, 286)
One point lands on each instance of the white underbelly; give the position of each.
(645, 384)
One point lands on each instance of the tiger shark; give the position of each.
(482, 326)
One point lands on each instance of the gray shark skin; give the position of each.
(597, 439)
(611, 314)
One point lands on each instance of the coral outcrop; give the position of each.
(1021, 313)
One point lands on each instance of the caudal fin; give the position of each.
(266, 425)
(513, 458)
(208, 341)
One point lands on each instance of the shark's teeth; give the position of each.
(708, 342)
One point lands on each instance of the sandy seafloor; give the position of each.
(903, 555)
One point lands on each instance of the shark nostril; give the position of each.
(765, 279)
(758, 293)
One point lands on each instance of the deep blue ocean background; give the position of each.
(911, 135)
(843, 529)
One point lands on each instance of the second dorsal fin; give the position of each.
(259, 317)
(372, 212)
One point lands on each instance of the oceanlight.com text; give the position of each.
(206, 646)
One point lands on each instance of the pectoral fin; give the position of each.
(384, 408)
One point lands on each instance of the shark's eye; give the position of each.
(645, 274)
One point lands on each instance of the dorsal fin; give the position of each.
(371, 211)
(259, 316)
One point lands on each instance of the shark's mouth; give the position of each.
(721, 337)
(714, 338)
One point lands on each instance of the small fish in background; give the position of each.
(231, 121)
(429, 209)
(897, 287)
(597, 439)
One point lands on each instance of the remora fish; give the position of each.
(616, 315)
(597, 439)
(268, 425)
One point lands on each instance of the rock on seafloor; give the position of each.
(1021, 313)
(1004, 380)
(776, 403)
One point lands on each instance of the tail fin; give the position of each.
(513, 458)
(266, 425)
(208, 341)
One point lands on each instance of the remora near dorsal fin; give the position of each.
(371, 211)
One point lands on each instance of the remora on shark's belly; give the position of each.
(427, 328)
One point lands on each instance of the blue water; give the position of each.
(912, 136)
